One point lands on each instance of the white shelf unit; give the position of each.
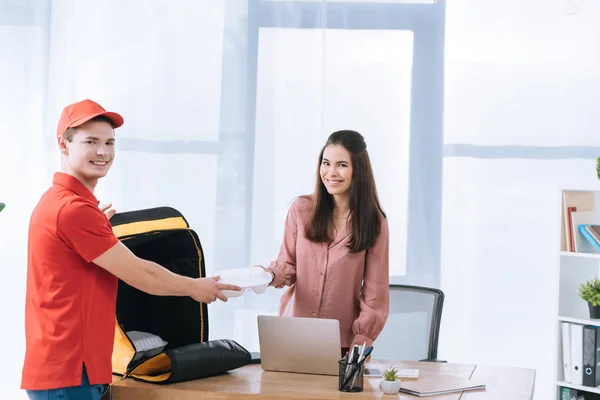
(573, 270)
(578, 387)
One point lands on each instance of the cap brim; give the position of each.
(115, 119)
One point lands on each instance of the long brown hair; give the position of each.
(365, 209)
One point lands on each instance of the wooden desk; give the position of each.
(251, 382)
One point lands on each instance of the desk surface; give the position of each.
(251, 382)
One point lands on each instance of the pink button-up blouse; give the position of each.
(327, 281)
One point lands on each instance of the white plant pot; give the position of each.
(390, 387)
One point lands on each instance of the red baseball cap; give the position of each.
(77, 114)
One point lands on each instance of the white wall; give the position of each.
(517, 73)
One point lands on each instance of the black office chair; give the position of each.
(412, 329)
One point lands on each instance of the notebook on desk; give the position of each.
(437, 385)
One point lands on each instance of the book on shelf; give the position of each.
(581, 219)
(594, 231)
(591, 233)
(574, 202)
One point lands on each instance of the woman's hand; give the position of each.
(360, 342)
(269, 271)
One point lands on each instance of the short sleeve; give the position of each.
(85, 229)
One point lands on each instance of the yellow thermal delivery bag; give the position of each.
(164, 339)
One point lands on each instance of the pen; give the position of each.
(366, 354)
(362, 359)
(352, 358)
(349, 357)
(362, 351)
(355, 353)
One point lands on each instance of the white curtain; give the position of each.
(226, 105)
(23, 68)
(522, 107)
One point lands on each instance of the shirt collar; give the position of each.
(73, 184)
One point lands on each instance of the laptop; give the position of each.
(302, 345)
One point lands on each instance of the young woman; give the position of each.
(335, 251)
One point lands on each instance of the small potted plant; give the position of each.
(590, 292)
(390, 381)
(598, 167)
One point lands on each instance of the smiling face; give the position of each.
(336, 170)
(88, 151)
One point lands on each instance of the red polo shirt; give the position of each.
(70, 301)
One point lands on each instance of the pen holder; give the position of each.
(351, 376)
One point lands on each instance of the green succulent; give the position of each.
(2, 205)
(590, 291)
(390, 374)
(598, 167)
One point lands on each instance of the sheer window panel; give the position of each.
(21, 114)
(22, 46)
(303, 95)
(289, 132)
(186, 182)
(167, 85)
(531, 81)
(525, 105)
(325, 2)
(21, 96)
(22, 180)
(377, 103)
(501, 236)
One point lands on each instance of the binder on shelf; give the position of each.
(591, 356)
(566, 350)
(576, 354)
